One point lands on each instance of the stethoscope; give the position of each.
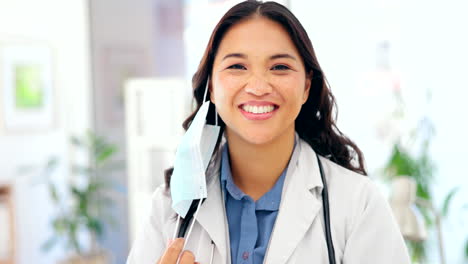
(326, 214)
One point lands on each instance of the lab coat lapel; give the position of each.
(212, 216)
(299, 206)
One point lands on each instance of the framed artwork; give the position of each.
(26, 82)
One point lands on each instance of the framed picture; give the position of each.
(27, 87)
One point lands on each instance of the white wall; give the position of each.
(435, 56)
(429, 54)
(62, 25)
(125, 32)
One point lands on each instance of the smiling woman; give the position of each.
(257, 66)
(278, 164)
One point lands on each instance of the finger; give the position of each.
(169, 241)
(172, 252)
(187, 257)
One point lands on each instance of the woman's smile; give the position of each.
(258, 110)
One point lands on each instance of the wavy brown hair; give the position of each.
(316, 122)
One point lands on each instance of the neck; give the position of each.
(256, 167)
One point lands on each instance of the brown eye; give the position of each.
(237, 67)
(280, 67)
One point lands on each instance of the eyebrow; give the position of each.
(273, 57)
(283, 55)
(235, 55)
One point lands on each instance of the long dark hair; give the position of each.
(316, 122)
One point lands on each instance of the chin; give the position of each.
(258, 139)
(258, 136)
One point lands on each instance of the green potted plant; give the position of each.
(84, 206)
(410, 157)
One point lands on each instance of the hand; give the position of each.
(172, 253)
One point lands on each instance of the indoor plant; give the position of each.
(410, 157)
(83, 205)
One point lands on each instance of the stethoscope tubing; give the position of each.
(326, 215)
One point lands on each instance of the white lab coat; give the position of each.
(362, 225)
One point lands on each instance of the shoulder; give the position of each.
(150, 241)
(353, 197)
(363, 219)
(350, 188)
(161, 210)
(350, 193)
(342, 182)
(346, 181)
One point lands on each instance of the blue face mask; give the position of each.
(188, 181)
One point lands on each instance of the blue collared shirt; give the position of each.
(250, 223)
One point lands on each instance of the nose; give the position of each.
(258, 85)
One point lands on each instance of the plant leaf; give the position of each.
(76, 192)
(427, 215)
(418, 250)
(52, 163)
(53, 193)
(95, 225)
(448, 200)
(105, 153)
(466, 249)
(77, 142)
(401, 163)
(60, 225)
(49, 243)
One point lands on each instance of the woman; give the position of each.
(284, 185)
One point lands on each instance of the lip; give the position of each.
(257, 117)
(258, 103)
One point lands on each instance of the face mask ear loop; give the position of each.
(206, 89)
(191, 225)
(204, 99)
(176, 228)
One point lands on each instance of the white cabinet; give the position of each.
(155, 110)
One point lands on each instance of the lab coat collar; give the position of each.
(300, 204)
(212, 215)
(298, 209)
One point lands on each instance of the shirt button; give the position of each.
(245, 255)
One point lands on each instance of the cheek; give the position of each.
(225, 88)
(292, 87)
(228, 81)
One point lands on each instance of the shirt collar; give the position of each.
(269, 201)
(226, 176)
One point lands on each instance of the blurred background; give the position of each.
(93, 94)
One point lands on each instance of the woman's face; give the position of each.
(258, 81)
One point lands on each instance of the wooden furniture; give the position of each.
(7, 228)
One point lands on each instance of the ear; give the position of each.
(210, 90)
(308, 82)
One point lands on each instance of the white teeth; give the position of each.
(258, 109)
